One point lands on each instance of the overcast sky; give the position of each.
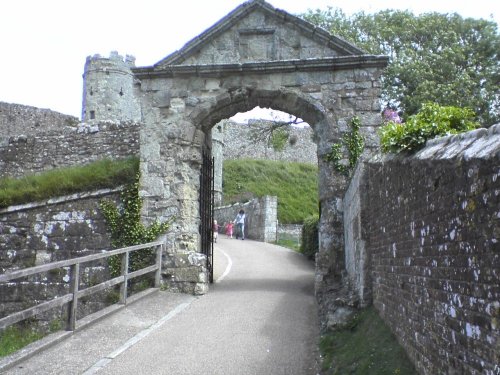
(45, 42)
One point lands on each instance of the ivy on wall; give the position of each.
(126, 229)
(353, 143)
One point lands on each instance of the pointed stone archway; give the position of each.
(255, 56)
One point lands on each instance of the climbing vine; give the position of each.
(127, 230)
(353, 142)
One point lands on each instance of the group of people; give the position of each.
(239, 221)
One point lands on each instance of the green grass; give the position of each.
(98, 175)
(295, 185)
(18, 336)
(14, 338)
(289, 243)
(365, 347)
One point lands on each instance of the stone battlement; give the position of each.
(128, 60)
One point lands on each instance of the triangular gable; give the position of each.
(256, 31)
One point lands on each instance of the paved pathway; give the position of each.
(260, 318)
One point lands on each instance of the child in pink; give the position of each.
(229, 229)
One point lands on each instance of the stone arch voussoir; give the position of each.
(243, 99)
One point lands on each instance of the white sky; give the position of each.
(45, 42)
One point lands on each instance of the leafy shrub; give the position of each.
(432, 121)
(310, 245)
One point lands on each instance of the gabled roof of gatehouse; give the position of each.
(256, 31)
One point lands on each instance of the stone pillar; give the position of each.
(218, 155)
(171, 159)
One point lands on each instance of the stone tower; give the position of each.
(108, 89)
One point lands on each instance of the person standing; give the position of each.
(229, 229)
(215, 229)
(240, 224)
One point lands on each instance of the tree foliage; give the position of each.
(441, 58)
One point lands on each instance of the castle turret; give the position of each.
(108, 89)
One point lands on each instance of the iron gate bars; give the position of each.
(207, 211)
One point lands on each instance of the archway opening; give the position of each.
(272, 148)
(273, 156)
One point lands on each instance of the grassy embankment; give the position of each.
(99, 175)
(295, 185)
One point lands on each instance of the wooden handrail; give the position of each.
(74, 292)
(69, 262)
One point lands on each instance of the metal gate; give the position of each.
(207, 211)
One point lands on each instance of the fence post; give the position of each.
(73, 305)
(159, 253)
(124, 273)
(277, 230)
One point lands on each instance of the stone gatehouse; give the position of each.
(255, 56)
(418, 236)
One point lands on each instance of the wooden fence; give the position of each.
(75, 293)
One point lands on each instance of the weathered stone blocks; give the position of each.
(68, 147)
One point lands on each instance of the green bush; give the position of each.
(432, 121)
(310, 245)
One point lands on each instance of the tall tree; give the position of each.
(434, 57)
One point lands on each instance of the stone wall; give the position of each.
(240, 142)
(261, 217)
(290, 232)
(52, 230)
(18, 119)
(48, 231)
(21, 155)
(357, 259)
(432, 227)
